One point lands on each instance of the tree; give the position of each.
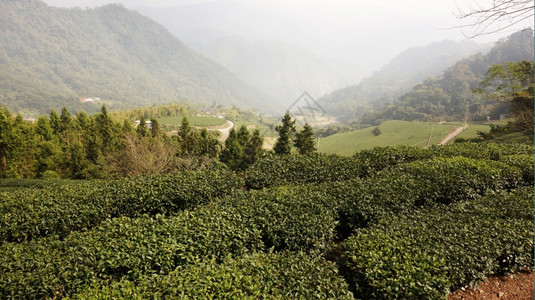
(105, 128)
(304, 140)
(55, 123)
(512, 83)
(253, 149)
(208, 144)
(155, 128)
(283, 146)
(6, 139)
(233, 152)
(498, 16)
(142, 129)
(504, 82)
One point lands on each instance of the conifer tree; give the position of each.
(304, 140)
(253, 149)
(155, 128)
(283, 146)
(142, 129)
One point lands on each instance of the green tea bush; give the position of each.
(379, 158)
(524, 162)
(300, 169)
(432, 251)
(289, 218)
(490, 151)
(58, 210)
(454, 179)
(122, 248)
(284, 275)
(404, 188)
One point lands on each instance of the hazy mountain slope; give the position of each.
(401, 73)
(450, 96)
(50, 57)
(201, 23)
(280, 70)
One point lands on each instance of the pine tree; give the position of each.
(185, 136)
(155, 128)
(55, 123)
(6, 140)
(283, 146)
(142, 129)
(304, 140)
(233, 152)
(253, 149)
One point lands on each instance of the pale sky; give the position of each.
(342, 29)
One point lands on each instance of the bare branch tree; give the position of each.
(498, 16)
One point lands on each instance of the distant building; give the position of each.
(84, 100)
(147, 123)
(28, 118)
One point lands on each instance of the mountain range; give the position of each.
(405, 70)
(52, 57)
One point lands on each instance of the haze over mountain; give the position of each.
(451, 96)
(405, 70)
(280, 70)
(51, 57)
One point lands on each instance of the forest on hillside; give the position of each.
(447, 97)
(53, 57)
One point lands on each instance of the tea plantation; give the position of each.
(386, 223)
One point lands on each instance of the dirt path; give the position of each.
(225, 131)
(514, 287)
(452, 135)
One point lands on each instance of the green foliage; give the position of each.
(406, 187)
(378, 158)
(400, 222)
(289, 218)
(273, 171)
(429, 252)
(376, 131)
(524, 162)
(257, 276)
(59, 210)
(121, 248)
(62, 55)
(242, 149)
(283, 146)
(304, 140)
(450, 96)
(49, 174)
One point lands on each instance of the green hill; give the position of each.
(392, 133)
(446, 96)
(397, 76)
(52, 57)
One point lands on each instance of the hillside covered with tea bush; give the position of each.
(387, 223)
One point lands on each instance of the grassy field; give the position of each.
(393, 133)
(193, 121)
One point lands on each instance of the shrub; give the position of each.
(257, 276)
(289, 218)
(48, 174)
(490, 151)
(58, 210)
(524, 162)
(379, 158)
(300, 169)
(431, 251)
(122, 248)
(404, 188)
